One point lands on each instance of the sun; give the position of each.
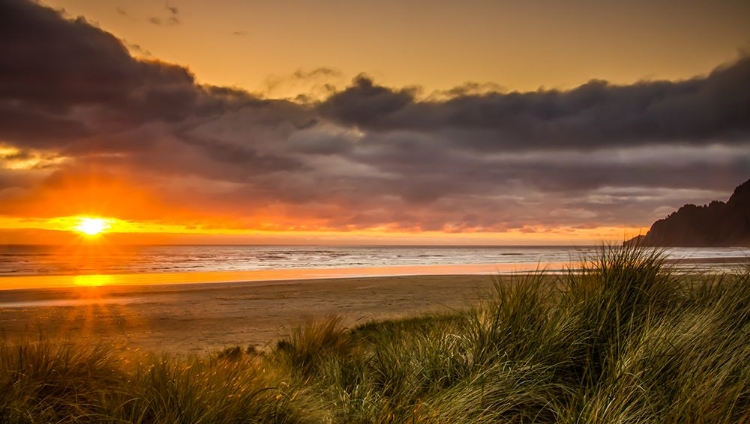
(92, 226)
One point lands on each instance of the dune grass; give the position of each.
(624, 339)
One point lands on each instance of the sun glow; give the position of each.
(95, 280)
(92, 226)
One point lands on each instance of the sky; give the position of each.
(370, 122)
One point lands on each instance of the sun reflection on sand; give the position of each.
(96, 280)
(170, 278)
(90, 312)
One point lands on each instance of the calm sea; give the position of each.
(47, 260)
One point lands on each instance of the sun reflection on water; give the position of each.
(94, 280)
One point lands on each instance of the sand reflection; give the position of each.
(89, 312)
(99, 280)
(96, 280)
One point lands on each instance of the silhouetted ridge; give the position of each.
(714, 225)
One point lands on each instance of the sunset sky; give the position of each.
(368, 122)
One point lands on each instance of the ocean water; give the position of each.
(81, 260)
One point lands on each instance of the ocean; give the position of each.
(86, 260)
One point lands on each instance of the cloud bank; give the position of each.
(83, 119)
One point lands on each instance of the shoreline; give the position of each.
(43, 282)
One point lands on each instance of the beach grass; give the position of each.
(623, 339)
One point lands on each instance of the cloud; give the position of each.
(70, 80)
(172, 17)
(174, 14)
(136, 48)
(593, 116)
(102, 123)
(315, 84)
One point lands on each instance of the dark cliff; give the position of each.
(714, 225)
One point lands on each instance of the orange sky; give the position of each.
(438, 45)
(372, 122)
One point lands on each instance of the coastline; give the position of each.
(35, 282)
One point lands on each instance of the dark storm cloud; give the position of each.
(248, 158)
(36, 127)
(426, 170)
(55, 63)
(592, 116)
(468, 159)
(61, 79)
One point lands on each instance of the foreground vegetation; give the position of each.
(623, 340)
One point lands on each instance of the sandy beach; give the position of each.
(199, 312)
(199, 318)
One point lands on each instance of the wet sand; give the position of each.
(169, 278)
(199, 318)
